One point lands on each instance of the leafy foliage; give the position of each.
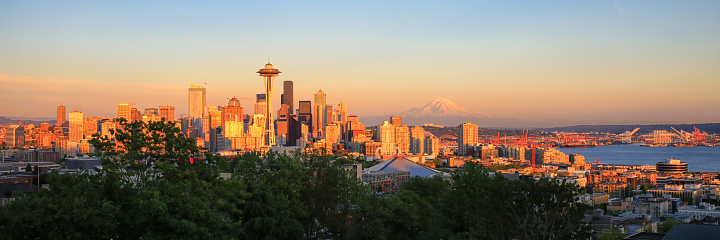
(667, 224)
(611, 234)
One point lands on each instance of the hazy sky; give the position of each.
(614, 60)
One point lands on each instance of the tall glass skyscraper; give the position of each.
(196, 106)
(76, 126)
(287, 96)
(319, 107)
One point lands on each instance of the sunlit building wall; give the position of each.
(61, 115)
(320, 115)
(417, 140)
(467, 137)
(76, 126)
(167, 113)
(123, 111)
(402, 139)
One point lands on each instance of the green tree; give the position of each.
(689, 199)
(438, 162)
(28, 168)
(611, 234)
(546, 209)
(432, 189)
(667, 224)
(147, 188)
(475, 206)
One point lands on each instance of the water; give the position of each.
(701, 159)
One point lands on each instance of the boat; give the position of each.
(684, 145)
(653, 145)
(577, 145)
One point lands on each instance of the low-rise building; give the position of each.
(593, 199)
(647, 204)
(615, 190)
(701, 211)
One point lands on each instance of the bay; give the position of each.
(699, 159)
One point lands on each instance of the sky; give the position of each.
(656, 61)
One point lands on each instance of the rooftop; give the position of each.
(403, 164)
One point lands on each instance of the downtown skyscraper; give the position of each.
(287, 96)
(319, 107)
(196, 106)
(61, 115)
(76, 126)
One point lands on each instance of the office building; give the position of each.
(61, 115)
(123, 111)
(135, 115)
(260, 104)
(396, 121)
(167, 113)
(15, 136)
(341, 112)
(305, 113)
(233, 111)
(320, 113)
(417, 140)
(329, 114)
(196, 105)
(282, 120)
(287, 96)
(233, 119)
(76, 126)
(671, 166)
(90, 125)
(386, 137)
(402, 139)
(215, 115)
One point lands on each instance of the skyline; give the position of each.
(614, 60)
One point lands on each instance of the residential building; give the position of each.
(167, 113)
(467, 138)
(417, 140)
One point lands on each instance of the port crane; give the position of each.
(684, 136)
(626, 137)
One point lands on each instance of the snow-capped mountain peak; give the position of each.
(442, 107)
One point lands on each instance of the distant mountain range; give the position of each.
(441, 107)
(444, 112)
(26, 120)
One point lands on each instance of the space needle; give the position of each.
(269, 73)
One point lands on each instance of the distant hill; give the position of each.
(35, 121)
(710, 128)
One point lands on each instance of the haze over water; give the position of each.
(703, 159)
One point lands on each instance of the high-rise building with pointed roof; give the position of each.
(320, 116)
